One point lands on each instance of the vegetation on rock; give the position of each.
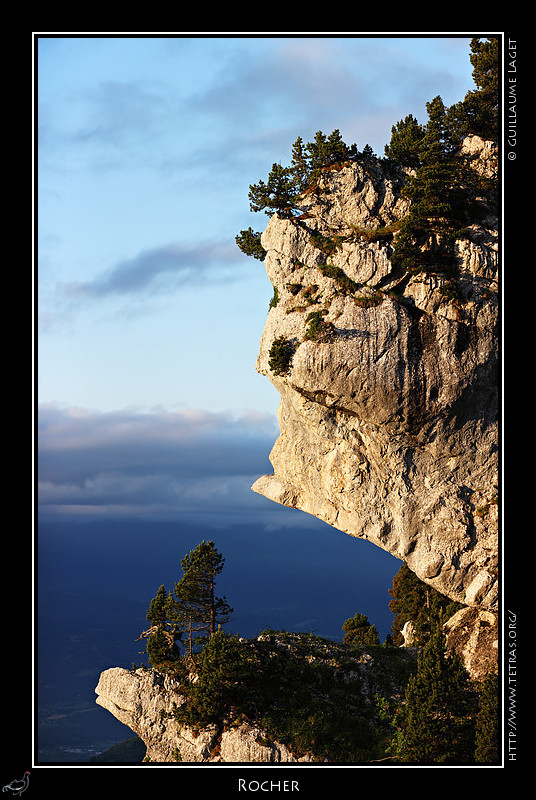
(317, 327)
(487, 722)
(249, 241)
(131, 751)
(416, 602)
(435, 723)
(280, 355)
(303, 691)
(354, 701)
(444, 718)
(477, 114)
(440, 187)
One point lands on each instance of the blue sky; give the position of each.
(149, 317)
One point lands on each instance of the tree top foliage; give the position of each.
(414, 601)
(191, 613)
(412, 144)
(285, 184)
(477, 113)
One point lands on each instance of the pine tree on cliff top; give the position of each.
(192, 613)
(197, 604)
(478, 112)
(406, 138)
(285, 184)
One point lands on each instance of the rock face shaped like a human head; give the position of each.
(389, 395)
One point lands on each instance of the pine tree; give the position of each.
(435, 723)
(161, 650)
(478, 112)
(277, 194)
(198, 606)
(487, 722)
(165, 630)
(280, 355)
(434, 190)
(190, 615)
(327, 150)
(157, 613)
(438, 200)
(358, 630)
(285, 184)
(300, 165)
(406, 138)
(414, 601)
(221, 685)
(249, 242)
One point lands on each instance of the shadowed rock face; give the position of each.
(144, 700)
(389, 417)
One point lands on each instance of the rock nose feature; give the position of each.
(389, 382)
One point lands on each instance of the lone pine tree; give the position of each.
(200, 609)
(358, 630)
(191, 613)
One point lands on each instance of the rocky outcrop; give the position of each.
(144, 701)
(389, 408)
(346, 678)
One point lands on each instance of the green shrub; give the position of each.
(275, 299)
(249, 242)
(280, 355)
(294, 288)
(316, 327)
(325, 244)
(289, 691)
(345, 284)
(370, 300)
(310, 294)
(449, 291)
(222, 683)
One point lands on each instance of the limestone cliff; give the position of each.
(389, 408)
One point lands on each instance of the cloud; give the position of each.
(120, 113)
(202, 101)
(292, 75)
(103, 124)
(305, 84)
(162, 269)
(140, 464)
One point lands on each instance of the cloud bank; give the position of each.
(154, 465)
(162, 269)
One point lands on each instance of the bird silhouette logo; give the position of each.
(17, 787)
